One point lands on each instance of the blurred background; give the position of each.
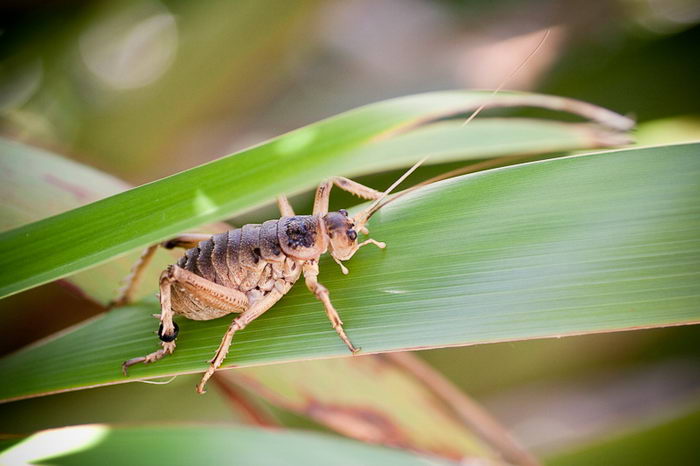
(143, 89)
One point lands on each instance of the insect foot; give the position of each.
(167, 348)
(218, 358)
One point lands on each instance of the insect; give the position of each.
(247, 270)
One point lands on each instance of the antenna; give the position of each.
(364, 216)
(510, 76)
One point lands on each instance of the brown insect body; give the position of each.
(247, 270)
(254, 260)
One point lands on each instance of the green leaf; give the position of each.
(35, 184)
(594, 243)
(350, 143)
(185, 444)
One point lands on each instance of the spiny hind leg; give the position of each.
(168, 330)
(186, 241)
(210, 296)
(131, 282)
(310, 270)
(255, 310)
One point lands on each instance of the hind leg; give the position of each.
(209, 294)
(132, 281)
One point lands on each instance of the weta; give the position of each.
(247, 270)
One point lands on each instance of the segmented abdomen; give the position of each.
(255, 255)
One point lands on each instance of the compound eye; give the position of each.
(168, 338)
(343, 212)
(352, 234)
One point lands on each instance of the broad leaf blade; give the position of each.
(64, 244)
(35, 184)
(593, 243)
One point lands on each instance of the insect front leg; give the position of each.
(310, 270)
(255, 310)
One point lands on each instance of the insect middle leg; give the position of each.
(255, 310)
